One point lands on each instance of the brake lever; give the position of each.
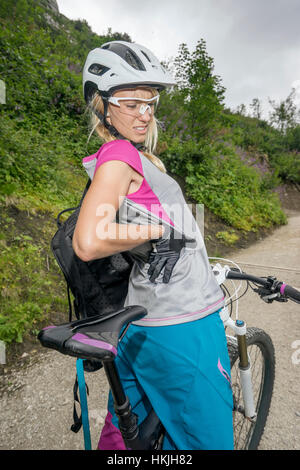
(268, 296)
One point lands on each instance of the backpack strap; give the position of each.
(58, 222)
(84, 406)
(83, 420)
(70, 303)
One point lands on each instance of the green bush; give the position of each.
(287, 166)
(46, 167)
(26, 291)
(293, 138)
(216, 177)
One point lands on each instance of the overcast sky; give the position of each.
(255, 44)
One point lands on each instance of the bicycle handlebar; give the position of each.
(291, 292)
(272, 288)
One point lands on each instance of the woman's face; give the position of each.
(127, 119)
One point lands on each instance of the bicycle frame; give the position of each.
(239, 329)
(146, 435)
(149, 433)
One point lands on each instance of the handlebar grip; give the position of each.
(289, 291)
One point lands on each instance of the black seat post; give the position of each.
(128, 421)
(114, 381)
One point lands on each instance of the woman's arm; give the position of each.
(96, 235)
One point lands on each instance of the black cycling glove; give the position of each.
(166, 254)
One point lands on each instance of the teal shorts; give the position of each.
(183, 372)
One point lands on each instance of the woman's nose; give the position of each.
(145, 114)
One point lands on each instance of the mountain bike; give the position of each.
(94, 340)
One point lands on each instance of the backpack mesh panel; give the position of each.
(98, 286)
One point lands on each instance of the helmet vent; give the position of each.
(97, 69)
(126, 53)
(144, 53)
(133, 60)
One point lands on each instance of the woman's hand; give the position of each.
(166, 254)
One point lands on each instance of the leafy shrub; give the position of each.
(26, 291)
(229, 237)
(293, 138)
(46, 167)
(216, 177)
(287, 166)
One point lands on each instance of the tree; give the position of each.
(256, 108)
(285, 114)
(181, 64)
(116, 36)
(201, 89)
(241, 109)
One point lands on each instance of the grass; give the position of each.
(31, 287)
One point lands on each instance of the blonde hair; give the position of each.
(151, 137)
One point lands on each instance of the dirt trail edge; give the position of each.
(36, 405)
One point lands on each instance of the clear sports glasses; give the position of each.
(135, 106)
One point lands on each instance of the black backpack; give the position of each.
(98, 286)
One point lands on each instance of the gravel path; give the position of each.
(36, 404)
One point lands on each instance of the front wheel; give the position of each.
(247, 434)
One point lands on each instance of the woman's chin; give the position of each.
(138, 138)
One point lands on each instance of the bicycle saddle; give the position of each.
(94, 338)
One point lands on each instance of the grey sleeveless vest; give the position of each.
(192, 292)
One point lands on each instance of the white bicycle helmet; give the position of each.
(120, 64)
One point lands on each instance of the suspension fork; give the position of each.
(240, 329)
(245, 370)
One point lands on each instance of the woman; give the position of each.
(175, 359)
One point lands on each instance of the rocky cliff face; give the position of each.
(51, 4)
